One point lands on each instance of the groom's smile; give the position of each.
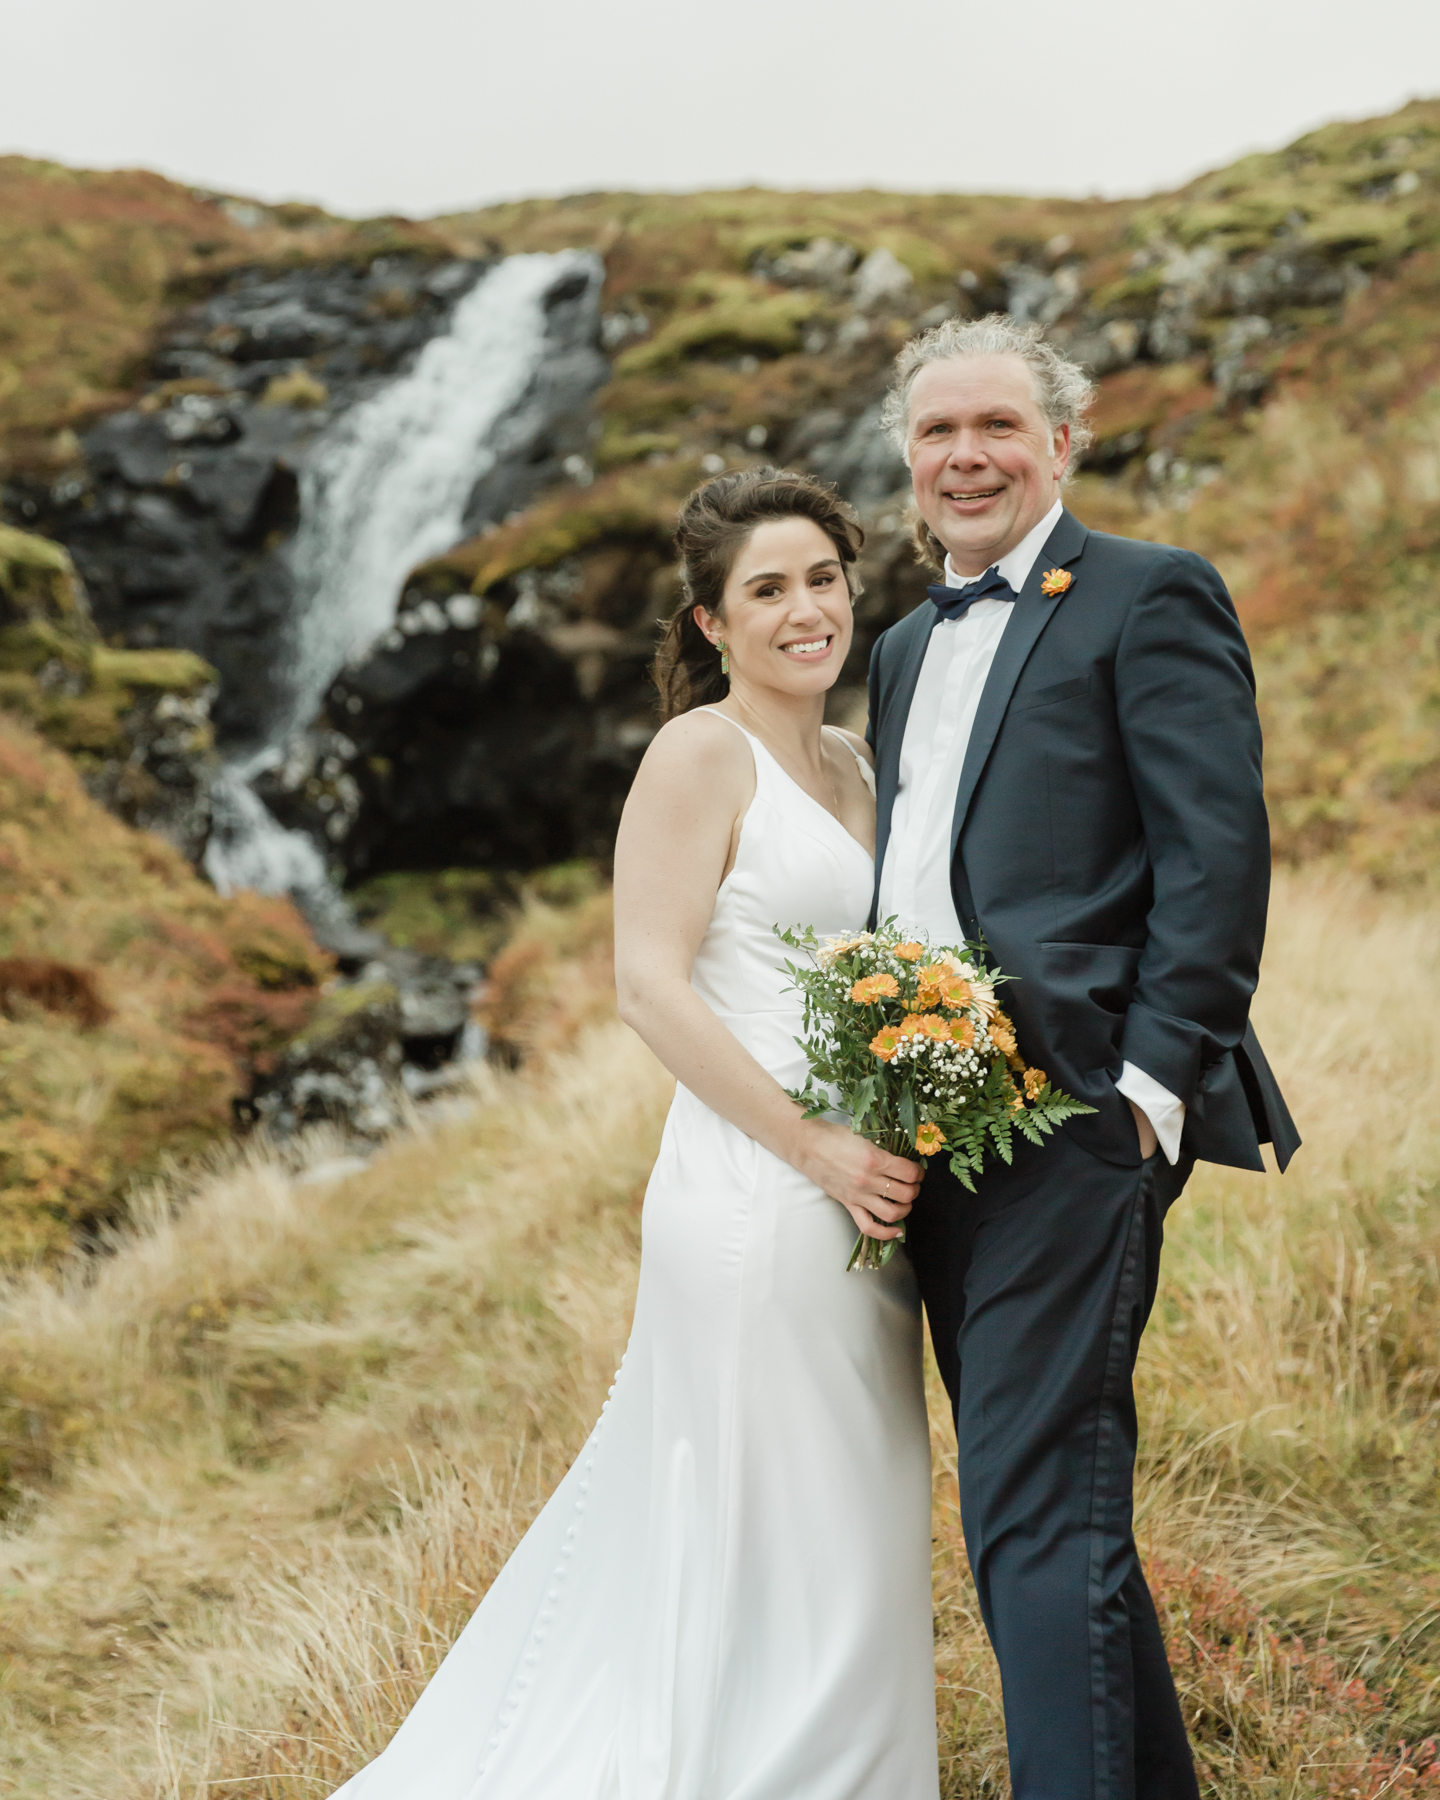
(984, 461)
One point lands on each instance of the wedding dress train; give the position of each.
(728, 1596)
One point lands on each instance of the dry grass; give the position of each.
(322, 1413)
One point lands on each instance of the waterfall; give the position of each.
(383, 489)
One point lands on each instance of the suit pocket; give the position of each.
(1048, 696)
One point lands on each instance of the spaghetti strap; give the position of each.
(867, 774)
(715, 713)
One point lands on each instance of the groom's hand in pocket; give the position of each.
(1149, 1143)
(875, 1188)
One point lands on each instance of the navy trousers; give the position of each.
(1037, 1288)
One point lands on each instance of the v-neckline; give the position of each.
(805, 794)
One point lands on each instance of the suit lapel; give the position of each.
(1031, 614)
(914, 634)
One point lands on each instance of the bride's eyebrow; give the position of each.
(826, 562)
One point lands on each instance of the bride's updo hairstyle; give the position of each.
(714, 526)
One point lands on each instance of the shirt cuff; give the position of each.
(1159, 1105)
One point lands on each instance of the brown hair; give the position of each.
(714, 524)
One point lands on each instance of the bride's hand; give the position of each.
(875, 1188)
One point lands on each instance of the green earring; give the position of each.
(724, 656)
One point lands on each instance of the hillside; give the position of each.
(260, 1457)
(1268, 366)
(300, 1423)
(1268, 359)
(135, 1005)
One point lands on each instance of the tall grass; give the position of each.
(313, 1417)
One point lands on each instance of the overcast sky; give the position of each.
(420, 106)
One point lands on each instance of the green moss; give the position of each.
(461, 913)
(616, 448)
(636, 503)
(85, 725)
(299, 388)
(339, 1008)
(770, 326)
(1362, 234)
(26, 647)
(1133, 296)
(169, 671)
(466, 914)
(37, 579)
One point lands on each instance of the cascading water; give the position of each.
(385, 488)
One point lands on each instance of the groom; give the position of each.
(1068, 762)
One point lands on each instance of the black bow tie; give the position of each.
(955, 602)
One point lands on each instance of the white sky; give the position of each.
(419, 106)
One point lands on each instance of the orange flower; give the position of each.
(957, 993)
(927, 998)
(962, 1032)
(928, 1140)
(933, 974)
(929, 1025)
(1002, 1035)
(1055, 581)
(909, 952)
(874, 987)
(885, 1043)
(1035, 1079)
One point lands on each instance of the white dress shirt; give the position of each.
(915, 878)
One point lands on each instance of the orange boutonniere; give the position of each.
(1055, 581)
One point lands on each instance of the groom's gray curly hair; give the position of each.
(1062, 387)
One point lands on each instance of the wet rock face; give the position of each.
(396, 1028)
(477, 741)
(136, 722)
(345, 1068)
(179, 519)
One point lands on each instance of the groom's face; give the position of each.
(984, 462)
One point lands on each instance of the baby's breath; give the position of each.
(893, 1062)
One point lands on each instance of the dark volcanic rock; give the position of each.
(345, 1068)
(180, 522)
(475, 745)
(177, 523)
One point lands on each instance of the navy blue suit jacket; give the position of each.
(1109, 837)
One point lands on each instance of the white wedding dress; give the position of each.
(728, 1596)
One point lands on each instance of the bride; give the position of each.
(728, 1596)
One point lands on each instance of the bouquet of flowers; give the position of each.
(910, 1042)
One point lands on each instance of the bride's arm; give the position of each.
(671, 855)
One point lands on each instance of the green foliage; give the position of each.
(906, 1038)
(37, 580)
(747, 322)
(630, 505)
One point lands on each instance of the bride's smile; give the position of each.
(787, 620)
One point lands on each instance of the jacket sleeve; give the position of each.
(1185, 699)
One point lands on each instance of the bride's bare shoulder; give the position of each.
(698, 742)
(696, 753)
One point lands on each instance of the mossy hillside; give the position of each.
(201, 992)
(467, 914)
(1298, 452)
(55, 673)
(1325, 520)
(91, 261)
